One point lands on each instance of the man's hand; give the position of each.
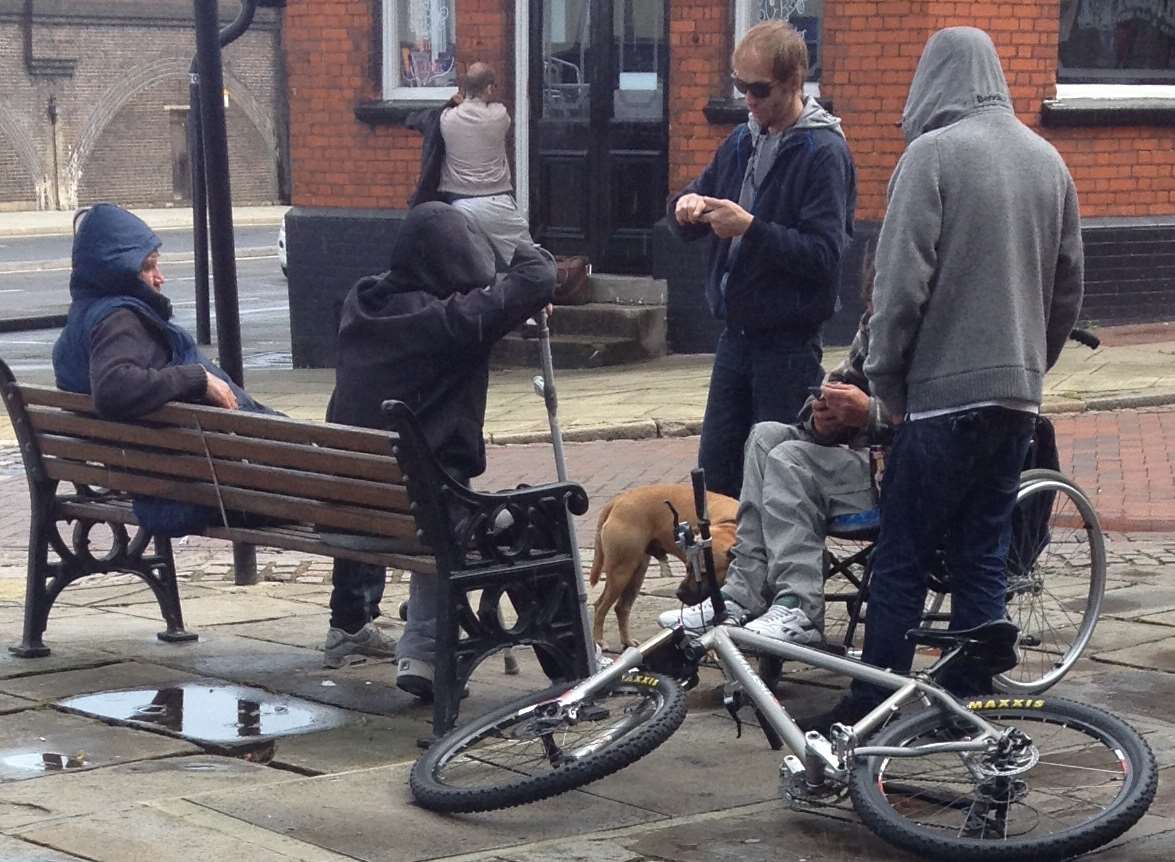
(848, 403)
(689, 209)
(218, 393)
(826, 423)
(726, 218)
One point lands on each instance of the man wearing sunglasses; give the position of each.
(776, 204)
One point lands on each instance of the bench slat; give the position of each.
(296, 482)
(259, 425)
(289, 537)
(312, 458)
(346, 518)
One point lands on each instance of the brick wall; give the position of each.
(333, 61)
(870, 50)
(113, 137)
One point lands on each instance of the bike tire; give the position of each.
(1070, 558)
(457, 774)
(1123, 758)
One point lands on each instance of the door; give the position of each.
(599, 132)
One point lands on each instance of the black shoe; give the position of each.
(849, 710)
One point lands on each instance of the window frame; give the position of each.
(390, 85)
(1128, 83)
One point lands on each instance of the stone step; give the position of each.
(573, 351)
(642, 322)
(627, 289)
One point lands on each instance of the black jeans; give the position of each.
(950, 484)
(358, 589)
(757, 377)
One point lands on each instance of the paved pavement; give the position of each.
(60, 222)
(75, 787)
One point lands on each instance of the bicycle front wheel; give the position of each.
(528, 750)
(1056, 573)
(1075, 779)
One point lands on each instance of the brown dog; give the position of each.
(637, 524)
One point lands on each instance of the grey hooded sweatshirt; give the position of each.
(979, 262)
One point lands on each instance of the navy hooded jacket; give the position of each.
(787, 271)
(136, 362)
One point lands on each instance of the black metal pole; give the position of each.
(220, 205)
(220, 224)
(199, 189)
(199, 209)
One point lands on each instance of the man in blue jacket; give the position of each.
(777, 204)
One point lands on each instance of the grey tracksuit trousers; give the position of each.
(791, 487)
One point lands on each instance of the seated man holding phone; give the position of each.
(797, 477)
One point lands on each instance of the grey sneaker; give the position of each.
(786, 624)
(369, 642)
(415, 677)
(697, 618)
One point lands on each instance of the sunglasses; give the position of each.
(758, 89)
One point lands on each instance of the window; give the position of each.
(804, 15)
(419, 49)
(1117, 42)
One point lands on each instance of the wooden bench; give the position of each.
(316, 478)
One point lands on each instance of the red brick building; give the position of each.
(619, 102)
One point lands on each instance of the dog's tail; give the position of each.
(598, 556)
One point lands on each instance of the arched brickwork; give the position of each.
(22, 178)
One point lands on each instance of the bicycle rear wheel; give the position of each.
(1081, 779)
(1056, 573)
(523, 753)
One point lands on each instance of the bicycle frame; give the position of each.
(817, 755)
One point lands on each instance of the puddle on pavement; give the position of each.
(45, 761)
(225, 714)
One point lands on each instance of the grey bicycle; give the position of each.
(995, 777)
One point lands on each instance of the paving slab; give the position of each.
(702, 767)
(120, 591)
(1147, 656)
(302, 631)
(1110, 635)
(111, 677)
(71, 794)
(766, 833)
(8, 703)
(16, 850)
(90, 628)
(1155, 848)
(217, 654)
(57, 660)
(364, 741)
(171, 832)
(591, 849)
(214, 609)
(1142, 600)
(369, 815)
(35, 743)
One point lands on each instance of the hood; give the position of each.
(958, 74)
(812, 116)
(441, 251)
(108, 252)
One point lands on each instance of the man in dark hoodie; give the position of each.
(777, 205)
(120, 346)
(979, 282)
(422, 333)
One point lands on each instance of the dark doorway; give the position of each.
(599, 170)
(181, 174)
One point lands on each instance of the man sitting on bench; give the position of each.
(796, 478)
(422, 333)
(120, 346)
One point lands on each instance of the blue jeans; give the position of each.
(757, 377)
(950, 484)
(356, 594)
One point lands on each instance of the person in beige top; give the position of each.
(475, 175)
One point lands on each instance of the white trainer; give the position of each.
(786, 624)
(697, 618)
